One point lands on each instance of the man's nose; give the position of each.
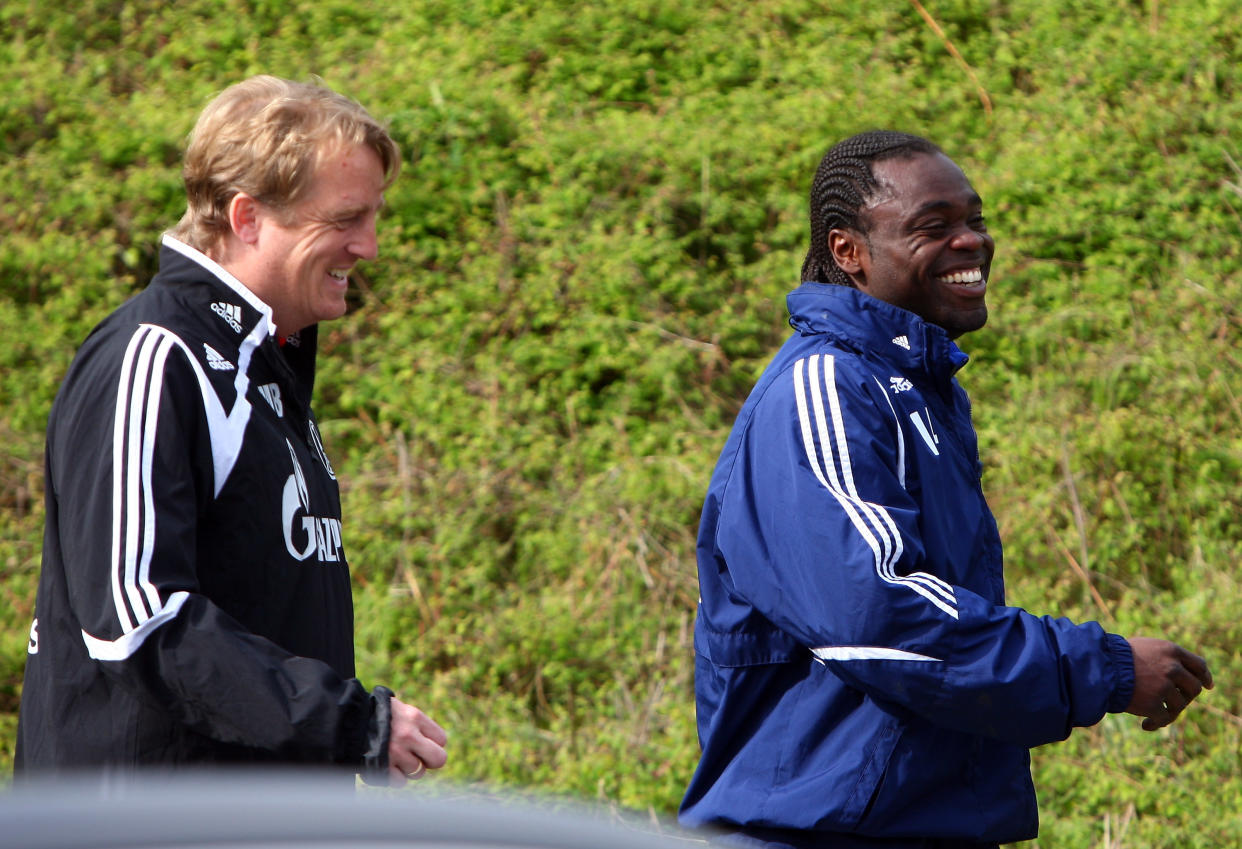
(365, 244)
(968, 239)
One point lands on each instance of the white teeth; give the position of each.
(974, 275)
(339, 275)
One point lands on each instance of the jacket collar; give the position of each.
(218, 271)
(864, 323)
(182, 266)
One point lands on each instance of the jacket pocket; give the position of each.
(751, 647)
(872, 777)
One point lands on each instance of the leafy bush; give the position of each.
(583, 269)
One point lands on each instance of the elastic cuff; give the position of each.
(1122, 657)
(379, 731)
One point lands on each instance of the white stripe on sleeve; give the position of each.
(869, 653)
(136, 597)
(872, 521)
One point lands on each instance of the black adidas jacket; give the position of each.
(194, 604)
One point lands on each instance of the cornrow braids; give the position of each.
(843, 183)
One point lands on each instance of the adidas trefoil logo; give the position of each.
(899, 385)
(216, 360)
(902, 342)
(231, 313)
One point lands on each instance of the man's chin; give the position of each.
(333, 311)
(967, 322)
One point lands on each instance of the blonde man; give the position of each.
(194, 603)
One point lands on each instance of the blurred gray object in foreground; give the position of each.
(253, 809)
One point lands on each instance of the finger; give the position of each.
(432, 730)
(411, 718)
(396, 778)
(1170, 708)
(1187, 683)
(1158, 720)
(1198, 667)
(429, 753)
(413, 770)
(407, 765)
(1175, 702)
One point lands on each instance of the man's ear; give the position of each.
(849, 250)
(244, 216)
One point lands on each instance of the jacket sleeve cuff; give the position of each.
(379, 731)
(1122, 658)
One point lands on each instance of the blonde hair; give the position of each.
(265, 136)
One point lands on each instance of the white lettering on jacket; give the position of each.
(321, 535)
(271, 394)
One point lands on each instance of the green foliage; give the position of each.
(583, 269)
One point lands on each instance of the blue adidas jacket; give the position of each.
(857, 670)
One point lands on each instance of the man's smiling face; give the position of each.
(926, 248)
(306, 259)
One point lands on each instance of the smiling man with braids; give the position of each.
(860, 680)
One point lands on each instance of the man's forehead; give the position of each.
(921, 180)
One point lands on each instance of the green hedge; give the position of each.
(582, 271)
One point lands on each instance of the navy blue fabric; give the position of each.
(857, 668)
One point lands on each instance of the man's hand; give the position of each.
(1166, 679)
(415, 745)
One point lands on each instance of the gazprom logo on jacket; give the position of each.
(306, 534)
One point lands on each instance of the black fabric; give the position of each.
(379, 732)
(194, 604)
